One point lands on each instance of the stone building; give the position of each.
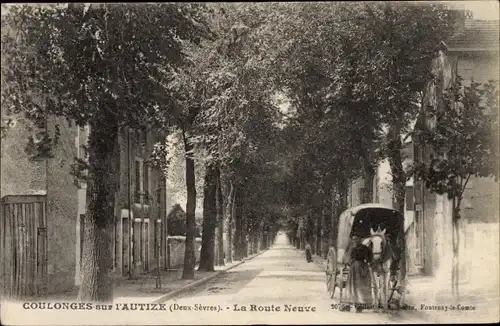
(43, 205)
(473, 54)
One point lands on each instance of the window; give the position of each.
(162, 239)
(410, 204)
(145, 187)
(145, 244)
(158, 198)
(144, 137)
(141, 182)
(82, 151)
(415, 152)
(141, 137)
(419, 238)
(157, 241)
(138, 181)
(417, 192)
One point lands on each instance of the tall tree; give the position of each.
(207, 254)
(358, 69)
(402, 42)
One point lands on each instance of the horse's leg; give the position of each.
(402, 291)
(373, 282)
(340, 284)
(334, 281)
(386, 288)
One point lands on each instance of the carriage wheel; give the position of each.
(330, 284)
(397, 285)
(341, 283)
(331, 272)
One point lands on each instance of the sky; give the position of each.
(482, 10)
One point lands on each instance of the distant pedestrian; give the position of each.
(357, 256)
(308, 253)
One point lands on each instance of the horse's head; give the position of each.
(376, 242)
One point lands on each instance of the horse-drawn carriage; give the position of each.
(376, 229)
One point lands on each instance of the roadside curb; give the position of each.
(194, 284)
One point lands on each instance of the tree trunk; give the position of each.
(456, 248)
(189, 254)
(399, 188)
(369, 174)
(97, 265)
(243, 228)
(317, 233)
(333, 218)
(220, 218)
(325, 229)
(207, 258)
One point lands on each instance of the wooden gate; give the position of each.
(23, 246)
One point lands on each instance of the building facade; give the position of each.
(50, 259)
(473, 54)
(39, 204)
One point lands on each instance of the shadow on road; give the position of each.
(228, 283)
(319, 277)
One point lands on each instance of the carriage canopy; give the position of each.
(358, 220)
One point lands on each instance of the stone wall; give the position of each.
(20, 175)
(479, 255)
(177, 245)
(62, 209)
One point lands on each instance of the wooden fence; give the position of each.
(23, 246)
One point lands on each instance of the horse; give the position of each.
(380, 265)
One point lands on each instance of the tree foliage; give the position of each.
(67, 61)
(463, 143)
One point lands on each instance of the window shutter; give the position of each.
(361, 194)
(138, 181)
(418, 192)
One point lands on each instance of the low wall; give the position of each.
(176, 248)
(479, 255)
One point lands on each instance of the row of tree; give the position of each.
(352, 77)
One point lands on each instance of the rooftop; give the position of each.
(476, 35)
